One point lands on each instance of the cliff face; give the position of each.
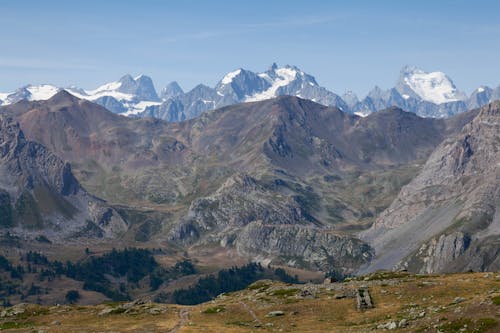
(270, 227)
(448, 217)
(40, 195)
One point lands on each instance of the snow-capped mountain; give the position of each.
(428, 94)
(30, 93)
(240, 86)
(433, 87)
(128, 95)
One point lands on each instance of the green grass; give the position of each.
(284, 292)
(478, 326)
(215, 309)
(259, 285)
(496, 300)
(13, 325)
(384, 276)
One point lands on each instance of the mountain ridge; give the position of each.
(285, 168)
(428, 94)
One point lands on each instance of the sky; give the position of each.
(345, 45)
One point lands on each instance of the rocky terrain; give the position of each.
(264, 178)
(288, 181)
(40, 196)
(399, 302)
(447, 218)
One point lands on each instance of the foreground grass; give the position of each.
(436, 303)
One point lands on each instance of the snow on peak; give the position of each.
(435, 87)
(480, 89)
(228, 78)
(283, 77)
(42, 92)
(112, 86)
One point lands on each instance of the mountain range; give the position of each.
(428, 94)
(285, 181)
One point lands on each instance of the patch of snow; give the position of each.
(265, 76)
(433, 87)
(112, 86)
(42, 92)
(480, 89)
(92, 95)
(134, 109)
(230, 76)
(284, 76)
(361, 114)
(76, 93)
(405, 96)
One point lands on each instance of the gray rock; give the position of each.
(275, 313)
(403, 323)
(448, 217)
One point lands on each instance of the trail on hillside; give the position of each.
(251, 312)
(183, 318)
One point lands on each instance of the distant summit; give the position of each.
(434, 87)
(427, 94)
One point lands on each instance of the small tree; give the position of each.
(72, 296)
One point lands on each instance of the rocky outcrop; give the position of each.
(450, 212)
(39, 194)
(268, 227)
(302, 246)
(239, 201)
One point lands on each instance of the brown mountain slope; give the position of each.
(288, 169)
(40, 196)
(448, 217)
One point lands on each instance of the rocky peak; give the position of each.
(142, 86)
(51, 199)
(456, 191)
(171, 90)
(11, 137)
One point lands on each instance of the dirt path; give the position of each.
(183, 318)
(250, 311)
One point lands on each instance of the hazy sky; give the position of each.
(346, 45)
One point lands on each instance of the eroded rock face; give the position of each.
(39, 194)
(303, 246)
(269, 227)
(239, 201)
(440, 221)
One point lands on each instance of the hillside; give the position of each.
(40, 197)
(447, 218)
(402, 302)
(241, 177)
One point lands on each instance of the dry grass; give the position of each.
(444, 302)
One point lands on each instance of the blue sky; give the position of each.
(346, 45)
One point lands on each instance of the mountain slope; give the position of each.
(447, 218)
(288, 169)
(40, 196)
